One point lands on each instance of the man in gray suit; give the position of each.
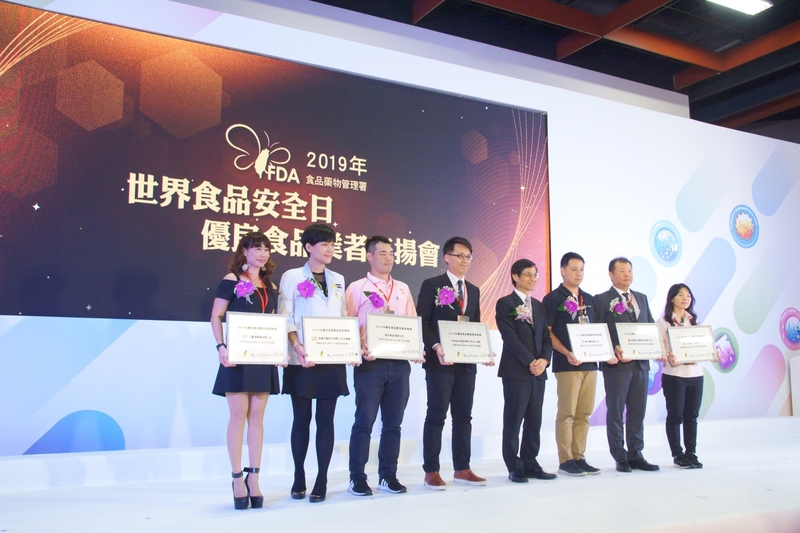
(626, 382)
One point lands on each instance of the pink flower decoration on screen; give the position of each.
(445, 296)
(306, 288)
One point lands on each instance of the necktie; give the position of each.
(529, 306)
(461, 295)
(631, 308)
(629, 303)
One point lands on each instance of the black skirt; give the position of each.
(247, 378)
(319, 381)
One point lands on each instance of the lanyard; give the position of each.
(391, 290)
(264, 299)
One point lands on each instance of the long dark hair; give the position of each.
(252, 240)
(670, 308)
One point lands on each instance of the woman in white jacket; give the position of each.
(312, 290)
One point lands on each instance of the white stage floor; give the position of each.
(750, 483)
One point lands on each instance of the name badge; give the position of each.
(388, 312)
(583, 319)
(463, 318)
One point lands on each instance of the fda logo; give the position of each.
(268, 158)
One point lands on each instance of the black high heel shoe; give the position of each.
(298, 491)
(318, 492)
(239, 503)
(256, 502)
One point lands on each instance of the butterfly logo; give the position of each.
(265, 156)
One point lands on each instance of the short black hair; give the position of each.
(569, 256)
(450, 245)
(520, 265)
(616, 260)
(373, 241)
(317, 233)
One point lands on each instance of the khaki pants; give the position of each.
(576, 392)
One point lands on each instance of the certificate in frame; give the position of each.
(256, 338)
(465, 342)
(692, 343)
(591, 343)
(394, 336)
(640, 341)
(331, 340)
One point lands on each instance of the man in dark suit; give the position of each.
(522, 322)
(626, 382)
(448, 385)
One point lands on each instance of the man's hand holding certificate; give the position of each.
(591, 343)
(465, 342)
(640, 341)
(394, 336)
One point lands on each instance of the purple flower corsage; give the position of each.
(375, 299)
(522, 312)
(244, 289)
(570, 306)
(445, 296)
(617, 306)
(306, 288)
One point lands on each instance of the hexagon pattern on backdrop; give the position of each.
(474, 147)
(29, 163)
(90, 95)
(180, 93)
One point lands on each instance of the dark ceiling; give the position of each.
(736, 69)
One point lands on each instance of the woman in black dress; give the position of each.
(246, 288)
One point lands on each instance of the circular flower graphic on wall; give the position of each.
(744, 226)
(790, 328)
(665, 243)
(654, 377)
(728, 348)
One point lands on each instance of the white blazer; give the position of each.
(294, 306)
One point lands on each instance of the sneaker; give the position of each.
(390, 484)
(571, 468)
(586, 467)
(359, 487)
(693, 459)
(681, 461)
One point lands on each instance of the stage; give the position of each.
(749, 484)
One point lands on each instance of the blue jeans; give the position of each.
(380, 384)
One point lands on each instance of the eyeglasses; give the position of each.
(462, 257)
(533, 275)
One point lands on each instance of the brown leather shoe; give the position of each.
(467, 477)
(434, 481)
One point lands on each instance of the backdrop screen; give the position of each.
(131, 164)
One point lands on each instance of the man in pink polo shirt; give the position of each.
(379, 383)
